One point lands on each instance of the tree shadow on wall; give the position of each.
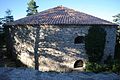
(24, 39)
(53, 39)
(64, 43)
(59, 46)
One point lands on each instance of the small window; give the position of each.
(79, 39)
(78, 64)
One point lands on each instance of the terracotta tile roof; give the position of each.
(61, 15)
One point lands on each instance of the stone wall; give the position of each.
(57, 51)
(110, 42)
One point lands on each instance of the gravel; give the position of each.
(30, 74)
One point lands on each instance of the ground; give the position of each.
(30, 74)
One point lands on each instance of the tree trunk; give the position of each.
(36, 48)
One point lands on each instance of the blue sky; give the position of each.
(104, 9)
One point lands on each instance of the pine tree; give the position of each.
(8, 17)
(32, 8)
(4, 20)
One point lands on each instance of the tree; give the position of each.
(95, 43)
(32, 8)
(1, 22)
(7, 18)
(117, 47)
(117, 18)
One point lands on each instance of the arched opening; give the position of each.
(79, 39)
(78, 64)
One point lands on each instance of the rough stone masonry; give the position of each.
(57, 48)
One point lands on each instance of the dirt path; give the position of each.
(30, 74)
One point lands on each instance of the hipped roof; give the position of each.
(61, 15)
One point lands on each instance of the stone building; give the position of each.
(58, 34)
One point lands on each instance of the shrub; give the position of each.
(117, 50)
(115, 66)
(95, 43)
(109, 67)
(94, 67)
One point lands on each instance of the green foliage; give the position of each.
(117, 47)
(117, 51)
(7, 18)
(2, 39)
(117, 18)
(95, 43)
(32, 8)
(94, 67)
(113, 66)
(116, 68)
